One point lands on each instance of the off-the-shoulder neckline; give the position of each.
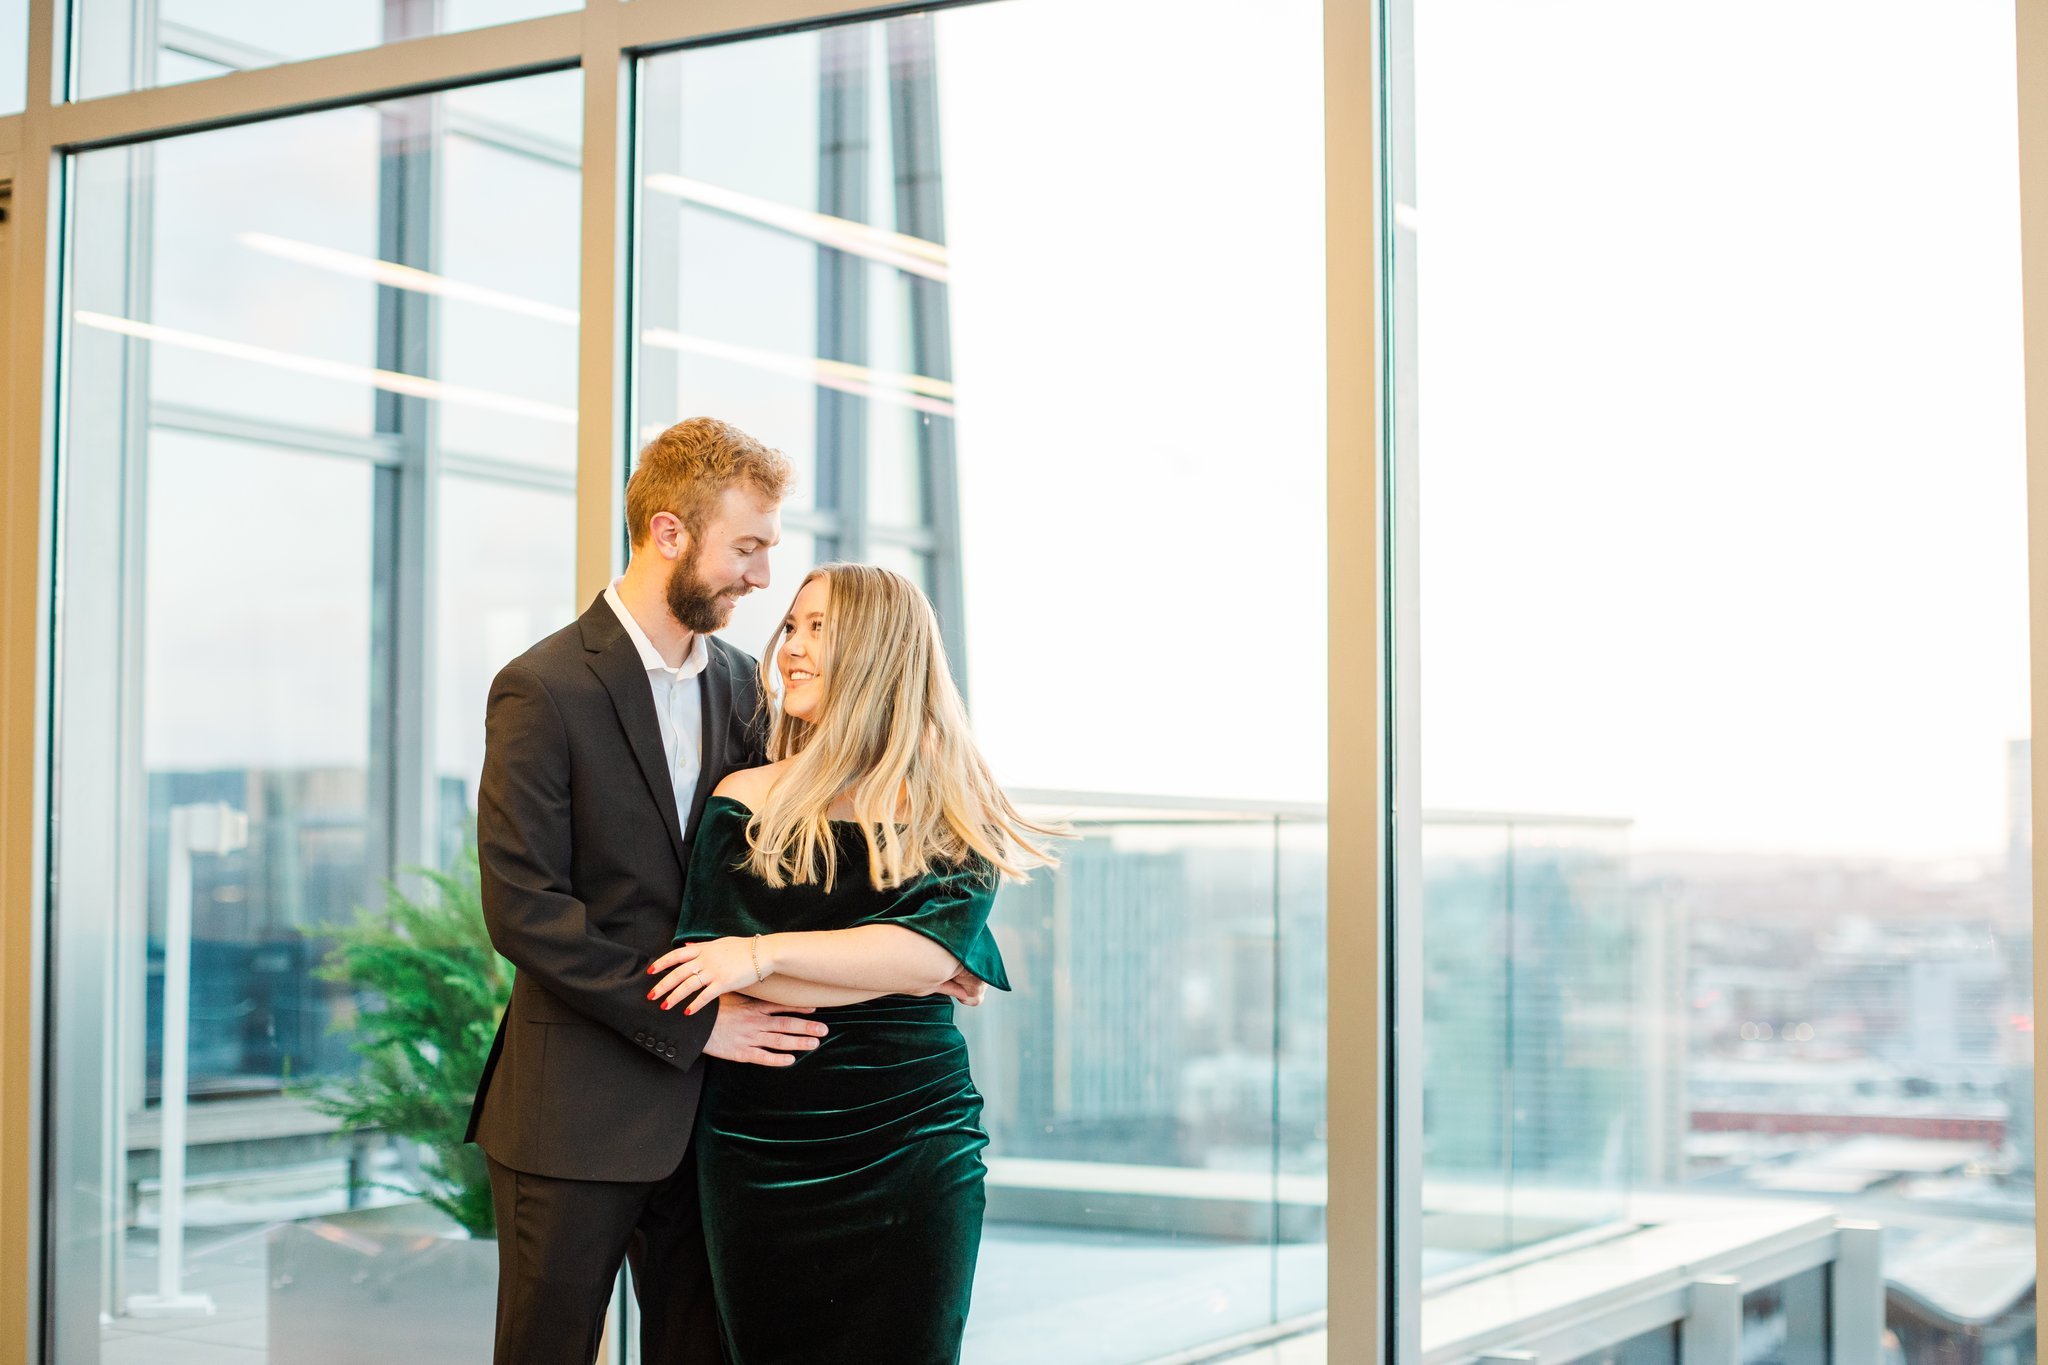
(735, 801)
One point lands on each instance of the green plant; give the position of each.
(433, 989)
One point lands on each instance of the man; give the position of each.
(602, 744)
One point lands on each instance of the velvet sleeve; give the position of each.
(951, 909)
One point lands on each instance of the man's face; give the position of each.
(726, 563)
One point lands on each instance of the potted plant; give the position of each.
(414, 1281)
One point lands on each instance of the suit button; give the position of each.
(671, 1050)
(640, 1037)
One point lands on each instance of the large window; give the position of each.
(1710, 487)
(317, 486)
(1065, 371)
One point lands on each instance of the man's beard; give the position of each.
(699, 606)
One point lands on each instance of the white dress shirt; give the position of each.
(678, 703)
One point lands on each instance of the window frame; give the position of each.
(605, 39)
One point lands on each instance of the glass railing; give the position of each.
(1531, 1055)
(1156, 1085)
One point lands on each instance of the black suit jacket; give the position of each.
(583, 856)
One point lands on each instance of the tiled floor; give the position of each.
(1085, 1298)
(227, 1266)
(1077, 1298)
(1311, 1348)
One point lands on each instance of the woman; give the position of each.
(842, 1193)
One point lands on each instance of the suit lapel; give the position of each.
(617, 665)
(716, 698)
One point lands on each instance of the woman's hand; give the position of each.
(709, 970)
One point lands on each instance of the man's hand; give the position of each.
(965, 987)
(755, 1031)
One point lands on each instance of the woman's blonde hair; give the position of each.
(892, 736)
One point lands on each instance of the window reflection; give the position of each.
(134, 44)
(256, 692)
(318, 487)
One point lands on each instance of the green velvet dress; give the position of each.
(843, 1195)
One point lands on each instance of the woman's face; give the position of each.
(801, 659)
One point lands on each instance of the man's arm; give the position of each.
(523, 843)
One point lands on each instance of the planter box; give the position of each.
(389, 1284)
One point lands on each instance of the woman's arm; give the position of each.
(878, 959)
(881, 957)
(783, 989)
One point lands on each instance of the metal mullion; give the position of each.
(1363, 1318)
(223, 52)
(513, 141)
(604, 308)
(821, 525)
(923, 539)
(506, 473)
(912, 67)
(2031, 50)
(649, 25)
(656, 266)
(25, 624)
(228, 426)
(402, 726)
(215, 48)
(415, 66)
(128, 976)
(842, 288)
(1401, 1121)
(603, 366)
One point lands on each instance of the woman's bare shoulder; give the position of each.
(750, 786)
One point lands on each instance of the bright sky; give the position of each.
(1720, 466)
(1137, 327)
(1721, 418)
(1720, 481)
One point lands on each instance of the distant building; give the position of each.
(1532, 1054)
(1085, 1061)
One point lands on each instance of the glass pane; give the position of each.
(317, 488)
(1787, 1323)
(256, 692)
(1301, 1077)
(511, 329)
(977, 337)
(1714, 723)
(13, 56)
(134, 44)
(1651, 1348)
(904, 560)
(1130, 1082)
(508, 570)
(307, 231)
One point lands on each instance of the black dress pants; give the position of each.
(560, 1243)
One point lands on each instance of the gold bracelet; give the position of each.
(754, 950)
